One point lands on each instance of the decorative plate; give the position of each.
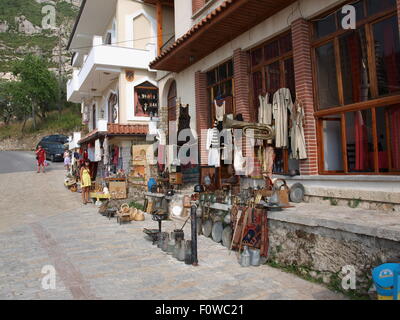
(296, 193)
(217, 230)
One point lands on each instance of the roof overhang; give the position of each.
(93, 19)
(116, 130)
(163, 2)
(222, 25)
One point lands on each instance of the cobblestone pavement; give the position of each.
(95, 258)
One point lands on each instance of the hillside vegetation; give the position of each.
(15, 42)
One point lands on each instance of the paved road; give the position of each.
(43, 224)
(18, 161)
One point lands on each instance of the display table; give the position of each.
(99, 195)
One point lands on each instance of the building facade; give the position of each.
(113, 42)
(339, 59)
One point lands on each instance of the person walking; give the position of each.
(86, 182)
(67, 160)
(41, 158)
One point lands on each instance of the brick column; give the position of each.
(304, 91)
(202, 115)
(243, 103)
(241, 76)
(196, 5)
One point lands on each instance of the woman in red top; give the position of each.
(41, 158)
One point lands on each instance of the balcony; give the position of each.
(103, 65)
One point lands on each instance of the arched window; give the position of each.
(172, 102)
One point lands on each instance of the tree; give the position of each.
(14, 102)
(39, 85)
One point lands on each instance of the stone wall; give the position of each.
(321, 252)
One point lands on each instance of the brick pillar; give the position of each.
(196, 5)
(242, 99)
(202, 114)
(304, 91)
(241, 76)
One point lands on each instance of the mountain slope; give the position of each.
(21, 31)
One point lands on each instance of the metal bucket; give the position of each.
(177, 248)
(165, 243)
(255, 257)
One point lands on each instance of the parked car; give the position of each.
(54, 150)
(60, 138)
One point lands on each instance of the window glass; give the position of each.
(222, 72)
(332, 141)
(285, 43)
(279, 162)
(257, 87)
(376, 6)
(211, 79)
(256, 57)
(360, 144)
(271, 50)
(230, 69)
(392, 118)
(289, 77)
(325, 26)
(327, 78)
(354, 65)
(383, 142)
(387, 53)
(272, 77)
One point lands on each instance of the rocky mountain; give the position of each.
(22, 31)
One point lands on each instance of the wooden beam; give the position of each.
(159, 26)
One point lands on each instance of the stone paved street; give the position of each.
(41, 223)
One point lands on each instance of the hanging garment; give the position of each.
(106, 157)
(239, 161)
(116, 156)
(91, 156)
(219, 111)
(282, 102)
(161, 158)
(213, 147)
(265, 110)
(228, 147)
(298, 142)
(97, 151)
